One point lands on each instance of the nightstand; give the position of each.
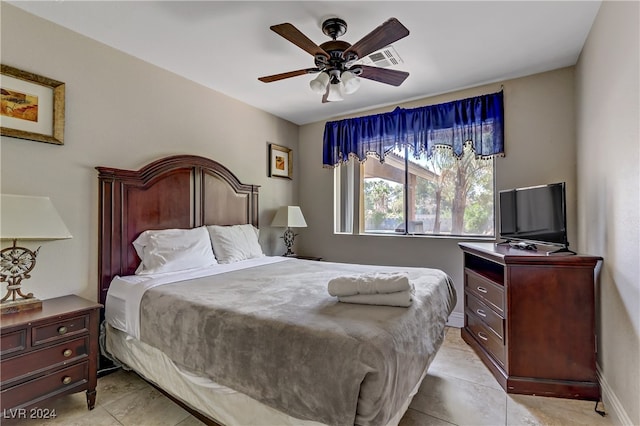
(48, 353)
(297, 256)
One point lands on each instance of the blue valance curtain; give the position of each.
(478, 121)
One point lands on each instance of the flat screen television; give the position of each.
(535, 214)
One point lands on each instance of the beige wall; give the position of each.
(122, 112)
(539, 146)
(608, 137)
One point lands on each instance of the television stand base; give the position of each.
(562, 250)
(525, 245)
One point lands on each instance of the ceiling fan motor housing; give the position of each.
(335, 49)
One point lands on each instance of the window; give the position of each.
(440, 195)
(436, 174)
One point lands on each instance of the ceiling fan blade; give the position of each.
(294, 35)
(389, 32)
(276, 77)
(384, 75)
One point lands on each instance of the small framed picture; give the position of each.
(280, 161)
(32, 106)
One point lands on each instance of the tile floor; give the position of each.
(458, 390)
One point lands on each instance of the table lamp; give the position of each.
(25, 218)
(290, 217)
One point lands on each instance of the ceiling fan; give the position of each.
(336, 60)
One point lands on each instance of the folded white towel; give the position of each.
(398, 298)
(369, 283)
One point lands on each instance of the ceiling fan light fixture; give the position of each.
(319, 84)
(338, 61)
(351, 82)
(335, 92)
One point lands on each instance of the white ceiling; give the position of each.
(227, 45)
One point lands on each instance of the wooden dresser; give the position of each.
(531, 319)
(48, 353)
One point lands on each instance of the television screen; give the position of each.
(535, 214)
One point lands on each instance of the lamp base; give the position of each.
(288, 238)
(16, 306)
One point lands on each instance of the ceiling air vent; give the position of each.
(385, 58)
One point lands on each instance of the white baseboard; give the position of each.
(613, 406)
(456, 319)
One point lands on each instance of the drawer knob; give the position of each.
(482, 289)
(482, 336)
(67, 353)
(66, 380)
(481, 313)
(62, 330)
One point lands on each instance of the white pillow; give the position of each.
(235, 243)
(171, 250)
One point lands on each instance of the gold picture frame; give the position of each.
(280, 161)
(32, 106)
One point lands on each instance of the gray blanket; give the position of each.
(274, 333)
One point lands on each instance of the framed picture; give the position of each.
(32, 106)
(280, 161)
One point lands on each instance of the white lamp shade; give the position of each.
(30, 218)
(351, 82)
(319, 84)
(335, 92)
(290, 217)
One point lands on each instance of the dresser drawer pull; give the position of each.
(67, 353)
(481, 313)
(482, 336)
(62, 330)
(481, 289)
(66, 380)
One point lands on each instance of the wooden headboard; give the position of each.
(182, 191)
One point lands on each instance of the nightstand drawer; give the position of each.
(15, 341)
(55, 383)
(59, 330)
(44, 359)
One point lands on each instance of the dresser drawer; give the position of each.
(494, 321)
(59, 330)
(487, 339)
(485, 289)
(12, 342)
(45, 359)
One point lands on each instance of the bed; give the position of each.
(257, 339)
